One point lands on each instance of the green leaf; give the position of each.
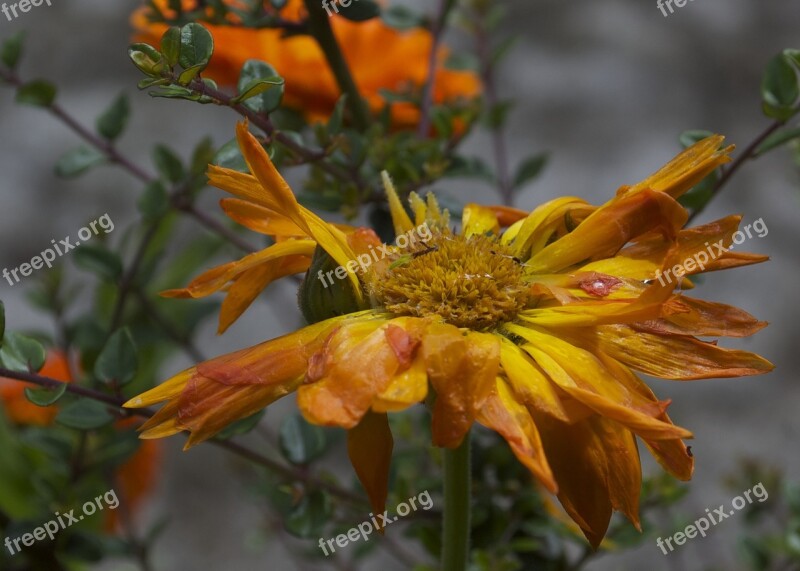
(2, 322)
(779, 88)
(117, 362)
(360, 10)
(778, 139)
(171, 45)
(154, 201)
(266, 101)
(309, 517)
(230, 156)
(257, 87)
(402, 18)
(11, 50)
(39, 93)
(112, 122)
(99, 260)
(300, 441)
(168, 164)
(188, 75)
(147, 58)
(469, 167)
(240, 427)
(45, 396)
(692, 136)
(197, 46)
(22, 353)
(84, 414)
(462, 62)
(530, 169)
(75, 162)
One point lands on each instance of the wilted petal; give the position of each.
(369, 445)
(503, 414)
(462, 367)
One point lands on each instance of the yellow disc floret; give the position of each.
(472, 282)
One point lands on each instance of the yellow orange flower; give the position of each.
(534, 331)
(310, 86)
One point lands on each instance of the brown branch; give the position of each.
(287, 472)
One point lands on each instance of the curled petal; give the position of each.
(503, 414)
(610, 227)
(462, 368)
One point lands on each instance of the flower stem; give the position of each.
(456, 528)
(320, 26)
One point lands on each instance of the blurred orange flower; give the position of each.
(18, 408)
(379, 57)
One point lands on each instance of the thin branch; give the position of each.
(498, 132)
(427, 89)
(287, 472)
(264, 123)
(114, 156)
(747, 154)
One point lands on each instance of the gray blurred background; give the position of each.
(606, 86)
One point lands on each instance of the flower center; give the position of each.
(472, 282)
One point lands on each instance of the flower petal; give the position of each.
(328, 237)
(260, 219)
(247, 286)
(685, 170)
(462, 367)
(581, 375)
(369, 445)
(679, 358)
(215, 279)
(503, 414)
(478, 219)
(609, 476)
(610, 227)
(357, 363)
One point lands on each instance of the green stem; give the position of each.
(457, 504)
(320, 27)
